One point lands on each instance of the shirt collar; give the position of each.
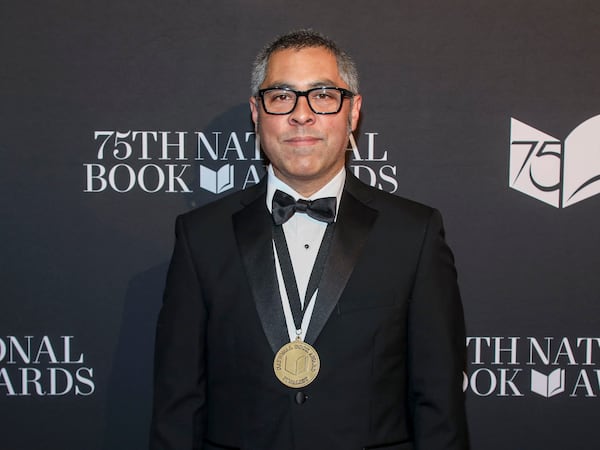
(333, 188)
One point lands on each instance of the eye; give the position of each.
(280, 96)
(324, 95)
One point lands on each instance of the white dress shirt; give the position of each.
(303, 235)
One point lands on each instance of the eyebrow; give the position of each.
(314, 84)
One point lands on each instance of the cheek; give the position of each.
(340, 133)
(268, 128)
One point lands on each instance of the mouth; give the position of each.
(302, 140)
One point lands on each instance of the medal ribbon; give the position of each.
(287, 270)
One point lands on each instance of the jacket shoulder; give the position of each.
(389, 205)
(223, 208)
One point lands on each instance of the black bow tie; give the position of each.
(284, 206)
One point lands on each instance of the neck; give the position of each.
(305, 187)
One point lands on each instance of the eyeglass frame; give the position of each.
(345, 94)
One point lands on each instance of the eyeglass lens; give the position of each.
(321, 100)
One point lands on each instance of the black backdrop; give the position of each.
(114, 116)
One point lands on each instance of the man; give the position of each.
(332, 324)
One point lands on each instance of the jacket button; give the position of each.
(300, 397)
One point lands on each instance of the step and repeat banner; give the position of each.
(115, 117)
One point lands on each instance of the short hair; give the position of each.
(297, 40)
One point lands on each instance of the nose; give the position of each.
(302, 114)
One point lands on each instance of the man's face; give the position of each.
(306, 149)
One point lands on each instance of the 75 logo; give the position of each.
(559, 174)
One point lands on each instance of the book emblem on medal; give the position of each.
(296, 364)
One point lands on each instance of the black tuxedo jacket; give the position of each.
(388, 327)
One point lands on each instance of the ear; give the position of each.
(355, 111)
(254, 110)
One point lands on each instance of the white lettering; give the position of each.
(34, 380)
(144, 135)
(67, 349)
(588, 349)
(491, 382)
(67, 384)
(583, 381)
(85, 380)
(511, 350)
(180, 144)
(565, 350)
(509, 382)
(46, 349)
(478, 340)
(5, 381)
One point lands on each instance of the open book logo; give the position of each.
(296, 366)
(216, 181)
(554, 172)
(548, 385)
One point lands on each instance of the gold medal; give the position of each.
(296, 364)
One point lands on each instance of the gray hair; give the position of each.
(298, 40)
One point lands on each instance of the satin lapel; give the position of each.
(355, 220)
(252, 226)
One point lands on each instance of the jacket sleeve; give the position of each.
(179, 408)
(437, 352)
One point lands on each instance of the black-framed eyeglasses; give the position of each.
(321, 100)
